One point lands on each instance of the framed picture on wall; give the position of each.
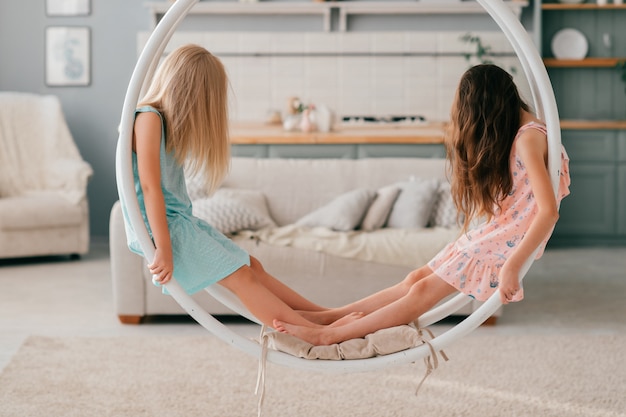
(68, 7)
(68, 60)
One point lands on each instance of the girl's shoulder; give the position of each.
(533, 124)
(531, 140)
(144, 109)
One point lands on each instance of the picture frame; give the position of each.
(68, 56)
(68, 7)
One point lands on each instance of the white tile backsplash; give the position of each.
(356, 73)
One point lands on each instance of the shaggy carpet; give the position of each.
(487, 375)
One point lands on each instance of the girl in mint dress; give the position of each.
(182, 123)
(497, 151)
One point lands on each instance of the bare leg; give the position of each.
(262, 303)
(370, 303)
(347, 319)
(282, 291)
(422, 296)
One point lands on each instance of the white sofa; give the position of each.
(43, 180)
(329, 267)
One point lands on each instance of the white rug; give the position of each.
(487, 375)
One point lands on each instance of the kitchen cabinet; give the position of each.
(263, 141)
(591, 99)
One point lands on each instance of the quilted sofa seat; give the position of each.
(276, 196)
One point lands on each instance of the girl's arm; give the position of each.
(147, 144)
(532, 148)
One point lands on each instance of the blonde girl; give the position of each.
(497, 150)
(182, 123)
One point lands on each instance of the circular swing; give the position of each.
(545, 105)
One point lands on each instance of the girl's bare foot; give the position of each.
(349, 318)
(308, 334)
(325, 317)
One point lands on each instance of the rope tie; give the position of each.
(431, 361)
(260, 380)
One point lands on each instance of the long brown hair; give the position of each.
(485, 118)
(190, 89)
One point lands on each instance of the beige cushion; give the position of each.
(382, 342)
(413, 206)
(40, 210)
(231, 210)
(343, 213)
(377, 214)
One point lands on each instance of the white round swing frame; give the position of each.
(546, 108)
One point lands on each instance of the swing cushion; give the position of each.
(382, 342)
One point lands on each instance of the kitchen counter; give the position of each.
(250, 133)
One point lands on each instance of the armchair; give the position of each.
(43, 180)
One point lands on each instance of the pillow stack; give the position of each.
(412, 204)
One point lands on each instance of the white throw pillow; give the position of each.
(196, 186)
(343, 213)
(231, 210)
(414, 204)
(444, 211)
(379, 210)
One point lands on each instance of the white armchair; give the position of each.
(43, 180)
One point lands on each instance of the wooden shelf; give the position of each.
(593, 124)
(255, 134)
(324, 9)
(582, 63)
(403, 7)
(590, 6)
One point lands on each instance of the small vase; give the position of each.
(306, 125)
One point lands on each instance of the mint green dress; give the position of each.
(202, 255)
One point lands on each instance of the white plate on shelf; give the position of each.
(569, 44)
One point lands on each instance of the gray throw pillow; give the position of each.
(343, 213)
(377, 214)
(414, 204)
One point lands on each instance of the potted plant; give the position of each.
(482, 53)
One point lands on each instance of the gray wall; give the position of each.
(93, 112)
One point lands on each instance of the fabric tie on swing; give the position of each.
(292, 345)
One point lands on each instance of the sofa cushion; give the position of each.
(39, 210)
(231, 210)
(379, 210)
(343, 213)
(413, 207)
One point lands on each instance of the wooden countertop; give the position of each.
(250, 133)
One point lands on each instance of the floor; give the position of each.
(578, 290)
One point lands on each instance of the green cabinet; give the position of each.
(595, 211)
(591, 99)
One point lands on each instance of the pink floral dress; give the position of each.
(472, 263)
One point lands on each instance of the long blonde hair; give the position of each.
(485, 118)
(190, 89)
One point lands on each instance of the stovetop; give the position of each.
(383, 120)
